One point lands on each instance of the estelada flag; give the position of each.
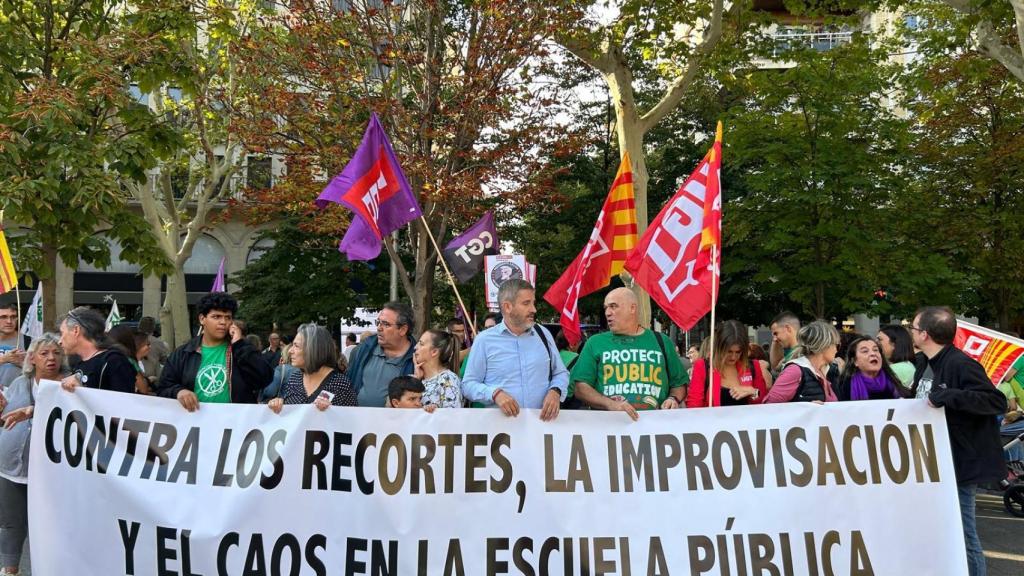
(995, 351)
(8, 277)
(374, 187)
(678, 259)
(603, 256)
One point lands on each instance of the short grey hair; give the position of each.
(91, 322)
(510, 289)
(815, 338)
(404, 313)
(318, 348)
(48, 338)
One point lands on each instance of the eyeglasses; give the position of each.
(916, 329)
(386, 324)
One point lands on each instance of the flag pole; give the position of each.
(451, 279)
(714, 302)
(17, 293)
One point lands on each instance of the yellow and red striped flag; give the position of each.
(603, 257)
(8, 277)
(673, 261)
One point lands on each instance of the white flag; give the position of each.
(114, 318)
(33, 324)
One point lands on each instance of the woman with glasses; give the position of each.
(44, 360)
(318, 380)
(99, 363)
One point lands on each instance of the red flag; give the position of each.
(678, 259)
(995, 351)
(604, 255)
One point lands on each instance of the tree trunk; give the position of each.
(422, 298)
(630, 136)
(174, 313)
(50, 289)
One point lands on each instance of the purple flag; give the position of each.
(218, 282)
(374, 188)
(465, 253)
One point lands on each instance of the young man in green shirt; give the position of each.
(219, 365)
(629, 368)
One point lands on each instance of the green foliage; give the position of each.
(969, 142)
(64, 109)
(822, 158)
(303, 278)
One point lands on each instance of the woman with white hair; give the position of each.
(44, 360)
(318, 380)
(804, 376)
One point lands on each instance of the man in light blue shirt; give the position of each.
(515, 364)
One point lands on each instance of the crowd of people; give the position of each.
(513, 364)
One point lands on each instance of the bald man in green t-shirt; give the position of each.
(629, 368)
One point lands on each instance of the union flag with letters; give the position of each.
(603, 256)
(678, 260)
(373, 186)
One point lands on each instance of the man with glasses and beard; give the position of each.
(516, 364)
(381, 358)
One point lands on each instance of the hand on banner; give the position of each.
(322, 403)
(626, 407)
(507, 403)
(15, 416)
(275, 405)
(3, 402)
(552, 402)
(188, 400)
(430, 408)
(71, 382)
(670, 403)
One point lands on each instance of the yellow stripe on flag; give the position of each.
(8, 277)
(621, 215)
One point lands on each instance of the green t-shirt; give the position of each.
(1013, 391)
(630, 367)
(212, 378)
(1018, 366)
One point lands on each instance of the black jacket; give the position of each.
(250, 373)
(972, 404)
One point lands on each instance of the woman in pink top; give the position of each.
(738, 380)
(803, 377)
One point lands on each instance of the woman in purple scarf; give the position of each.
(867, 374)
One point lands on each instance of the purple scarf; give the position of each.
(862, 385)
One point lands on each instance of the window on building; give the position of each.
(259, 173)
(207, 253)
(259, 249)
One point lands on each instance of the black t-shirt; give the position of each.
(108, 370)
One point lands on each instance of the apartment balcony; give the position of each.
(785, 39)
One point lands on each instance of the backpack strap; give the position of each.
(539, 330)
(664, 356)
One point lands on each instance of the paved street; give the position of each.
(1002, 536)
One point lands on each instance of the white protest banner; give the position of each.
(131, 485)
